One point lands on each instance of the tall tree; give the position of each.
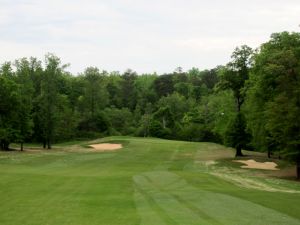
(209, 78)
(9, 104)
(274, 96)
(95, 96)
(114, 89)
(48, 98)
(144, 90)
(93, 100)
(26, 91)
(128, 89)
(164, 85)
(234, 78)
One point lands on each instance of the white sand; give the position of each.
(252, 164)
(106, 147)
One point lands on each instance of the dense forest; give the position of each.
(253, 102)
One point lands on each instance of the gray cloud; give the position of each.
(143, 35)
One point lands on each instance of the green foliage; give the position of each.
(114, 89)
(42, 102)
(95, 95)
(67, 120)
(145, 122)
(157, 129)
(26, 91)
(144, 89)
(128, 89)
(273, 102)
(164, 85)
(218, 110)
(9, 103)
(209, 78)
(176, 104)
(236, 135)
(48, 99)
(165, 116)
(56, 106)
(233, 77)
(196, 132)
(93, 125)
(236, 73)
(120, 121)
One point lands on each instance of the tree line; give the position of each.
(253, 102)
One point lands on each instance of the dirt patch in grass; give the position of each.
(33, 150)
(252, 164)
(286, 173)
(106, 147)
(252, 182)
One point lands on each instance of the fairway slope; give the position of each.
(148, 182)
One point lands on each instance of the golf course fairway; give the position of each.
(148, 182)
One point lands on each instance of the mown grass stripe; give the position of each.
(155, 207)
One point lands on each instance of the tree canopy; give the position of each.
(251, 102)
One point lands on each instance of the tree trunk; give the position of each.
(21, 146)
(298, 168)
(238, 107)
(48, 144)
(238, 104)
(44, 143)
(4, 145)
(269, 153)
(238, 151)
(164, 122)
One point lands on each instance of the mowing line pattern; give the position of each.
(163, 198)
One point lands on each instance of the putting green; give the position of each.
(148, 182)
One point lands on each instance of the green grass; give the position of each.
(148, 182)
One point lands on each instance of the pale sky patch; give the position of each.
(146, 36)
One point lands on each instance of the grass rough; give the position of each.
(150, 182)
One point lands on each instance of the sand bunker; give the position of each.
(106, 147)
(252, 164)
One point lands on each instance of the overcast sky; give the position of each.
(144, 35)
